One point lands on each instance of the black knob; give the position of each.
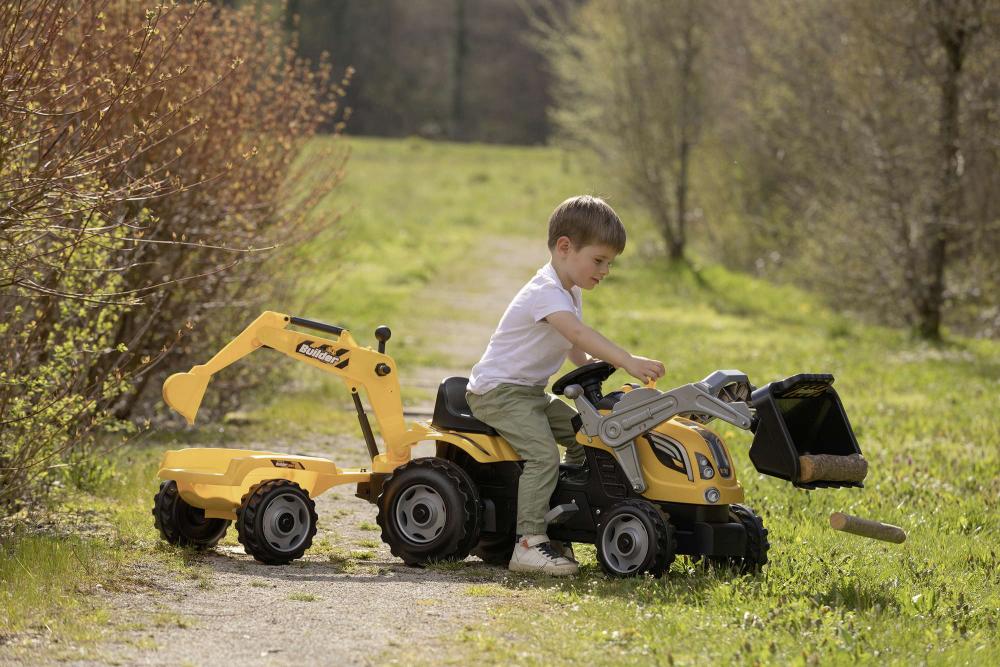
(382, 370)
(382, 334)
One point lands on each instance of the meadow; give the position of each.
(925, 416)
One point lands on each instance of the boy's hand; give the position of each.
(644, 369)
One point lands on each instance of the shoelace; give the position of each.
(548, 551)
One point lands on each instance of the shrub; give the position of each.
(147, 172)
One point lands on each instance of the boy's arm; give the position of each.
(578, 357)
(593, 343)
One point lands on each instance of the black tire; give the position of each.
(635, 537)
(183, 524)
(429, 511)
(276, 521)
(495, 548)
(755, 555)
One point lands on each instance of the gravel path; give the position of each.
(348, 601)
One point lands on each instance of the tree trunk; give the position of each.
(456, 125)
(953, 36)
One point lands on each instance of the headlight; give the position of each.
(705, 467)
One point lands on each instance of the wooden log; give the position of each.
(830, 468)
(867, 528)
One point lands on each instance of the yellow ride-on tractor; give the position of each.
(656, 483)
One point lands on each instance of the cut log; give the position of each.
(830, 468)
(867, 528)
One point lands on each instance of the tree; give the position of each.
(629, 88)
(857, 113)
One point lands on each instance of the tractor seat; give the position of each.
(452, 412)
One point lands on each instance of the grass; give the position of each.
(925, 416)
(304, 597)
(56, 568)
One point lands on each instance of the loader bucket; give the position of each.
(802, 416)
(183, 392)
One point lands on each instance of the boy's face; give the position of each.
(589, 265)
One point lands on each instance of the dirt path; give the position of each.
(348, 602)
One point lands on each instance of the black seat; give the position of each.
(452, 412)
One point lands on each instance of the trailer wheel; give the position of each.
(276, 521)
(755, 555)
(429, 511)
(183, 524)
(635, 537)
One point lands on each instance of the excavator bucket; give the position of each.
(183, 392)
(801, 426)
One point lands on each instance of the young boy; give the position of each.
(541, 327)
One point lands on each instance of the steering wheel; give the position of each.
(589, 376)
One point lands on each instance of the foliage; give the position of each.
(846, 147)
(145, 146)
(629, 88)
(864, 165)
(416, 58)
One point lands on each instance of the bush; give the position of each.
(147, 172)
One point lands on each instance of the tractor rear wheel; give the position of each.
(429, 511)
(183, 524)
(635, 537)
(755, 554)
(276, 521)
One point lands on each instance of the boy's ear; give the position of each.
(563, 244)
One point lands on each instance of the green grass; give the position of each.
(925, 417)
(56, 568)
(304, 597)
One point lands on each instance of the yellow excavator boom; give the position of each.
(358, 366)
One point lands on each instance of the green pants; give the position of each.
(532, 422)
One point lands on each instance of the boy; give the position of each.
(541, 327)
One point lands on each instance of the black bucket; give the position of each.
(797, 416)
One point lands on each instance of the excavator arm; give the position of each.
(357, 366)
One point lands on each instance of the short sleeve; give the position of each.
(550, 299)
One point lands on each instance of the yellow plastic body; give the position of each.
(217, 479)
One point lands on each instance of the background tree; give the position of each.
(630, 89)
(422, 64)
(863, 141)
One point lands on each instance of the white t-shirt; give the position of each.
(525, 349)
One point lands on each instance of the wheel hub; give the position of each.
(286, 522)
(420, 514)
(625, 543)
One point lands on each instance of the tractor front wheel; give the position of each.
(635, 537)
(429, 511)
(276, 521)
(183, 524)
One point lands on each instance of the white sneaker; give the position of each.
(534, 553)
(565, 549)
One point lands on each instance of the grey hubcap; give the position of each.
(420, 514)
(625, 543)
(286, 522)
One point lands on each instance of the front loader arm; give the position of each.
(358, 366)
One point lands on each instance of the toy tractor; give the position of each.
(656, 483)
